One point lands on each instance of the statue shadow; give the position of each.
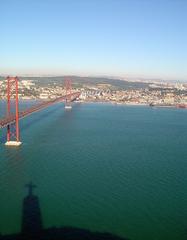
(32, 226)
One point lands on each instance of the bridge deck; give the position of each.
(12, 118)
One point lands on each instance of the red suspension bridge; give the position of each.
(11, 120)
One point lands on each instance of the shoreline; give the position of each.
(133, 104)
(109, 102)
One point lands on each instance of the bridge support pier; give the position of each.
(13, 136)
(13, 143)
(68, 106)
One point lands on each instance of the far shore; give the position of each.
(106, 102)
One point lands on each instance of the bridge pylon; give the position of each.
(68, 87)
(13, 135)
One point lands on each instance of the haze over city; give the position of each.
(113, 38)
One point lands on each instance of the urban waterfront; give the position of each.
(103, 167)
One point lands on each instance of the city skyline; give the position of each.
(111, 38)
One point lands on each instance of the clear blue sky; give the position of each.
(94, 37)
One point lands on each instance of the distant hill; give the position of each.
(80, 81)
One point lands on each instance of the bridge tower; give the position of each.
(13, 136)
(68, 88)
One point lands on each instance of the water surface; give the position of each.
(103, 167)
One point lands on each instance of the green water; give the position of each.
(102, 167)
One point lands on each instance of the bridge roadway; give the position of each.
(12, 118)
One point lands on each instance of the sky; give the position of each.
(125, 38)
